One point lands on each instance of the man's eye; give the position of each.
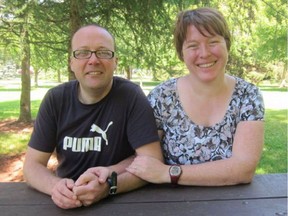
(83, 52)
(103, 52)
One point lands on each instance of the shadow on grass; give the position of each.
(273, 89)
(10, 90)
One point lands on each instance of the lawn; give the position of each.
(274, 157)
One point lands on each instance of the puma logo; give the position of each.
(95, 128)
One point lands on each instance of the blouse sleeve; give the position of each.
(252, 108)
(154, 98)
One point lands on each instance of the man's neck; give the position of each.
(92, 96)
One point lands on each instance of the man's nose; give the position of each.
(93, 59)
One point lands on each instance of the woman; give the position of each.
(211, 124)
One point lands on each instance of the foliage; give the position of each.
(143, 32)
(255, 77)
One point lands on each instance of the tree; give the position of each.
(143, 32)
(272, 35)
(25, 104)
(16, 17)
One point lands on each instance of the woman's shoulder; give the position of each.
(166, 86)
(242, 86)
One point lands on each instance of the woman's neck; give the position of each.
(209, 89)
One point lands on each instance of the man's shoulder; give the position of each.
(64, 86)
(62, 90)
(122, 83)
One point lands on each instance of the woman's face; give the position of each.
(205, 56)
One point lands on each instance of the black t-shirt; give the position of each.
(100, 134)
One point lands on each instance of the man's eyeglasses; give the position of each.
(86, 54)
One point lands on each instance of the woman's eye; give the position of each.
(192, 46)
(214, 42)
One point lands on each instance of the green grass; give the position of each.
(12, 144)
(272, 88)
(11, 109)
(274, 157)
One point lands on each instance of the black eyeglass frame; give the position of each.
(91, 52)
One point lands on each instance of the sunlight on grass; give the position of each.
(11, 109)
(11, 144)
(274, 156)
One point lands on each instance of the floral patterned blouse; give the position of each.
(185, 142)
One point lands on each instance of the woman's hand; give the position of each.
(150, 169)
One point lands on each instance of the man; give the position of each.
(96, 121)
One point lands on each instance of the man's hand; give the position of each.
(102, 172)
(91, 186)
(63, 196)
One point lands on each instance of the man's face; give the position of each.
(93, 73)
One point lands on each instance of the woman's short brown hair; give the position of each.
(209, 19)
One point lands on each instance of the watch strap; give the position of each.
(112, 182)
(174, 178)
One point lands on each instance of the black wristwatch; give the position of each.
(112, 182)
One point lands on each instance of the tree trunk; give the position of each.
(75, 23)
(25, 101)
(59, 76)
(36, 73)
(128, 73)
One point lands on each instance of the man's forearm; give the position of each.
(128, 182)
(40, 178)
(125, 180)
(121, 166)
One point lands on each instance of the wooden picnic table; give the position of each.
(266, 195)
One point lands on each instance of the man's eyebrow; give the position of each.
(99, 48)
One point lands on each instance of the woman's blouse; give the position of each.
(185, 142)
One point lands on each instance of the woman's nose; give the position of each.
(204, 51)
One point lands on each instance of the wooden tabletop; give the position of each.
(266, 195)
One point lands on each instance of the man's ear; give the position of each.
(70, 63)
(116, 63)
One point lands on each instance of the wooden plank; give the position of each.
(21, 194)
(214, 208)
(263, 186)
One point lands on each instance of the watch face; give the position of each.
(175, 171)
